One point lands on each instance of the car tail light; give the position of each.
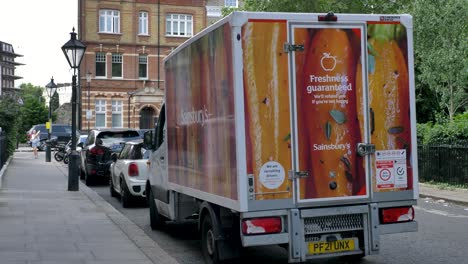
(397, 214)
(96, 151)
(267, 225)
(132, 170)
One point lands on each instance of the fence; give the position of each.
(3, 149)
(443, 164)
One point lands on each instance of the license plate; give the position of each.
(323, 247)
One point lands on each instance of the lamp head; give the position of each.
(51, 87)
(74, 50)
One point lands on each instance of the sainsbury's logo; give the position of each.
(193, 117)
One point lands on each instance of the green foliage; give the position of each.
(453, 133)
(441, 51)
(33, 110)
(325, 6)
(9, 120)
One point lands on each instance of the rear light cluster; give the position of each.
(97, 151)
(265, 225)
(133, 170)
(397, 215)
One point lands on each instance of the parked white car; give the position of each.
(129, 172)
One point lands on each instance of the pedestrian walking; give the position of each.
(35, 138)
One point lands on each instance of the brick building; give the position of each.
(126, 43)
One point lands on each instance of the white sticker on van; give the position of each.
(272, 175)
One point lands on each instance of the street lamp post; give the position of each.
(51, 88)
(74, 51)
(88, 82)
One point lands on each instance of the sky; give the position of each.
(37, 29)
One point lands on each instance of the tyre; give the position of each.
(125, 195)
(113, 193)
(82, 173)
(65, 158)
(88, 179)
(157, 221)
(208, 241)
(58, 156)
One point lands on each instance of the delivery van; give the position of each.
(289, 129)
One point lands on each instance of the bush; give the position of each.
(447, 133)
(9, 121)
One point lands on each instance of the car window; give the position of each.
(125, 152)
(82, 140)
(58, 129)
(90, 140)
(40, 128)
(146, 153)
(113, 139)
(136, 153)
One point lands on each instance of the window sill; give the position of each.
(143, 35)
(175, 36)
(110, 33)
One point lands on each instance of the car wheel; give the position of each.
(125, 195)
(113, 193)
(209, 241)
(82, 173)
(157, 221)
(88, 180)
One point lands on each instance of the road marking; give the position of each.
(442, 213)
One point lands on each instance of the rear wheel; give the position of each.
(113, 193)
(88, 179)
(157, 221)
(82, 173)
(125, 195)
(58, 156)
(208, 241)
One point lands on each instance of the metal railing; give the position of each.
(3, 149)
(443, 164)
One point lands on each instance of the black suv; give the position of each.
(96, 151)
(61, 131)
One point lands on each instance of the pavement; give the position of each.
(43, 223)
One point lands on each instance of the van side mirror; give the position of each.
(148, 140)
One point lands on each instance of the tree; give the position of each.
(441, 50)
(9, 120)
(33, 110)
(324, 6)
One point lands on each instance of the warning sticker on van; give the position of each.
(391, 169)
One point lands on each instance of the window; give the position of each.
(179, 25)
(143, 66)
(143, 23)
(109, 21)
(116, 65)
(116, 113)
(100, 64)
(230, 3)
(100, 113)
(125, 151)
